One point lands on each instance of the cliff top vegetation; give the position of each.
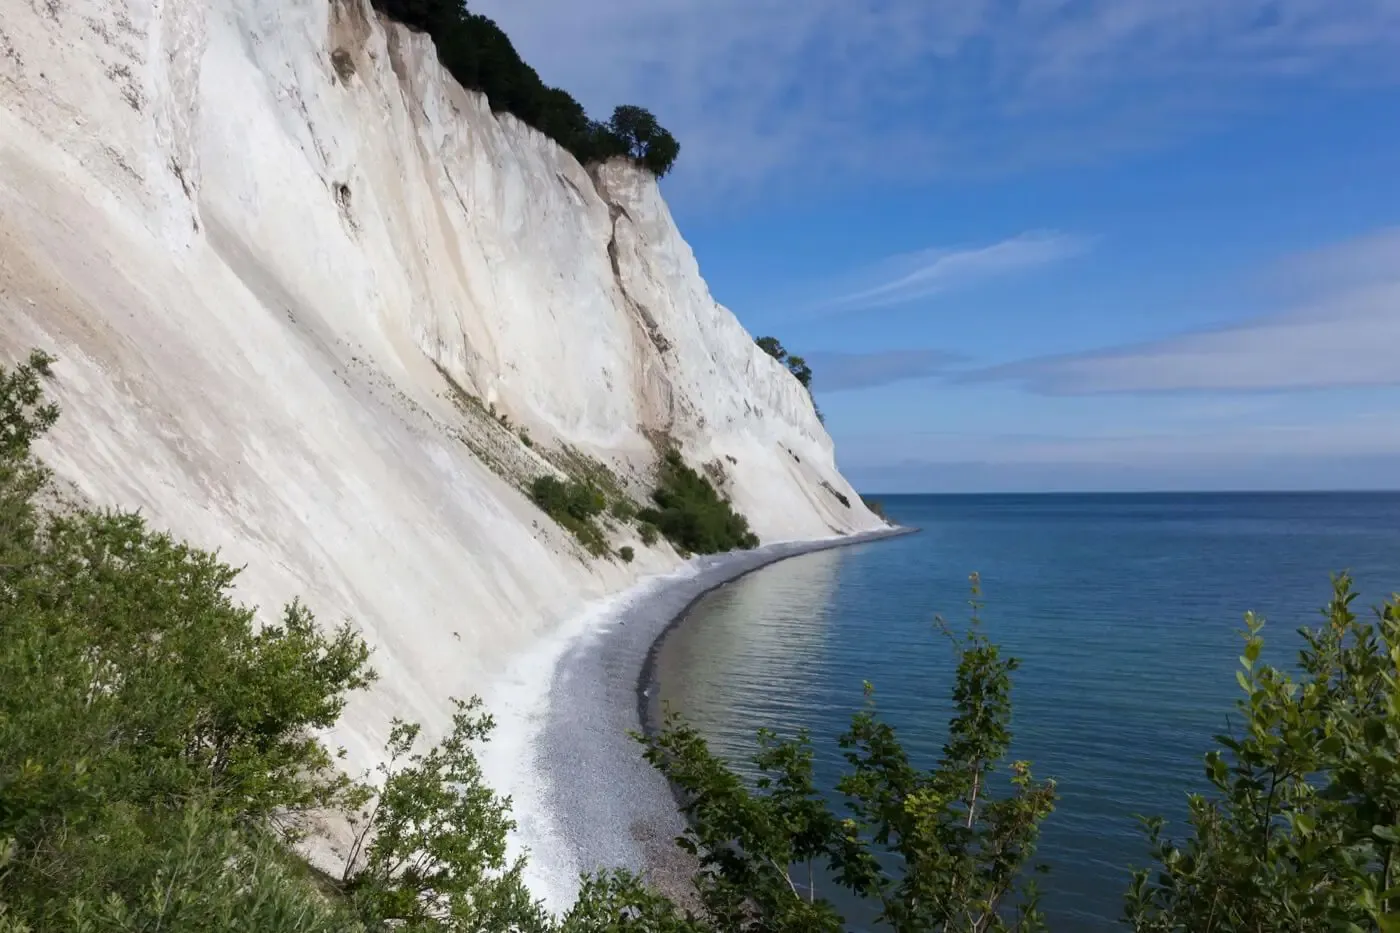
(481, 57)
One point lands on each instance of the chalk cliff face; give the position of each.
(293, 273)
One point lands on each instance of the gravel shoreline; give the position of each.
(610, 808)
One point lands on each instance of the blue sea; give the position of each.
(1125, 611)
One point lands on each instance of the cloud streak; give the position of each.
(1347, 335)
(766, 91)
(929, 272)
(1357, 453)
(842, 372)
(1366, 260)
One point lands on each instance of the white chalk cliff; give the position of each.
(275, 246)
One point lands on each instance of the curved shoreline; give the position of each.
(607, 807)
(647, 680)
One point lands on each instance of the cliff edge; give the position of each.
(310, 297)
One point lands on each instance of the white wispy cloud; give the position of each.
(1346, 334)
(1371, 259)
(762, 91)
(928, 272)
(1361, 452)
(1372, 434)
(841, 372)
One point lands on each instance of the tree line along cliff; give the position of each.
(476, 52)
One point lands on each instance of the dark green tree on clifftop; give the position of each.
(645, 141)
(479, 54)
(772, 347)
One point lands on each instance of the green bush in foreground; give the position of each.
(431, 850)
(188, 870)
(961, 837)
(148, 733)
(1301, 830)
(154, 756)
(156, 747)
(691, 514)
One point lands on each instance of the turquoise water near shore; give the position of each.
(1125, 611)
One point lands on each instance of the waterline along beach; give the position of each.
(581, 769)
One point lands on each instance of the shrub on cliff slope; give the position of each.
(574, 505)
(573, 499)
(691, 514)
(192, 870)
(481, 56)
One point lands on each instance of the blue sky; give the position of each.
(1039, 244)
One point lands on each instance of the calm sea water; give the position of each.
(1125, 610)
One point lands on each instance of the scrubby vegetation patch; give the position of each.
(692, 514)
(574, 505)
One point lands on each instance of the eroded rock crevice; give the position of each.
(648, 322)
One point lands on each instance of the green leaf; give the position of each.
(1216, 769)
